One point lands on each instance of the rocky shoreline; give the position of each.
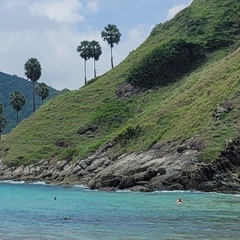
(160, 168)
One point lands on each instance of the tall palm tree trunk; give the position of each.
(17, 117)
(0, 130)
(33, 96)
(111, 58)
(94, 66)
(85, 71)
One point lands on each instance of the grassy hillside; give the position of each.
(11, 83)
(77, 123)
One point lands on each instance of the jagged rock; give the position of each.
(46, 173)
(156, 169)
(223, 107)
(83, 164)
(127, 182)
(162, 170)
(60, 165)
(126, 90)
(77, 169)
(87, 129)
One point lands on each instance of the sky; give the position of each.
(51, 30)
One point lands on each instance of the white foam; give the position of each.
(12, 182)
(82, 186)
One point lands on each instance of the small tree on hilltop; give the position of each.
(42, 91)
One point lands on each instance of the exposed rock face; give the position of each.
(157, 169)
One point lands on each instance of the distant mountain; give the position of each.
(9, 84)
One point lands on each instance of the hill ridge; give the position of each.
(196, 105)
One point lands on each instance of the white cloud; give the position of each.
(93, 6)
(51, 30)
(58, 10)
(176, 9)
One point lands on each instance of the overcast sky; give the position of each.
(51, 30)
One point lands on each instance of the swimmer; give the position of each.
(179, 201)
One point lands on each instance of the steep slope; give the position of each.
(111, 117)
(11, 83)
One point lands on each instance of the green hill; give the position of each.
(11, 83)
(112, 115)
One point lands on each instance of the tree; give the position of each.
(84, 52)
(1, 108)
(95, 53)
(33, 72)
(111, 35)
(3, 120)
(3, 123)
(17, 101)
(42, 91)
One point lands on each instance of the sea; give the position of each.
(40, 211)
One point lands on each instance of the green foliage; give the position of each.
(68, 154)
(33, 69)
(160, 116)
(111, 114)
(33, 72)
(213, 24)
(129, 132)
(112, 35)
(3, 122)
(1, 108)
(17, 101)
(84, 49)
(11, 83)
(42, 91)
(165, 64)
(95, 53)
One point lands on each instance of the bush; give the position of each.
(165, 64)
(127, 133)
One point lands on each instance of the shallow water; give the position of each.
(29, 211)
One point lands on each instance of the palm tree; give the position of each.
(17, 101)
(3, 120)
(1, 108)
(84, 50)
(33, 72)
(111, 35)
(96, 51)
(42, 91)
(3, 123)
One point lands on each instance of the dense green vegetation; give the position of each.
(165, 64)
(94, 117)
(10, 84)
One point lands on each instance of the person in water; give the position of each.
(179, 201)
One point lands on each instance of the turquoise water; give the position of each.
(29, 211)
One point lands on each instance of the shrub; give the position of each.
(165, 64)
(127, 133)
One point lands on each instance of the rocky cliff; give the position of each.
(165, 167)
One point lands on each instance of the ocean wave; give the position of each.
(82, 186)
(12, 182)
(38, 183)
